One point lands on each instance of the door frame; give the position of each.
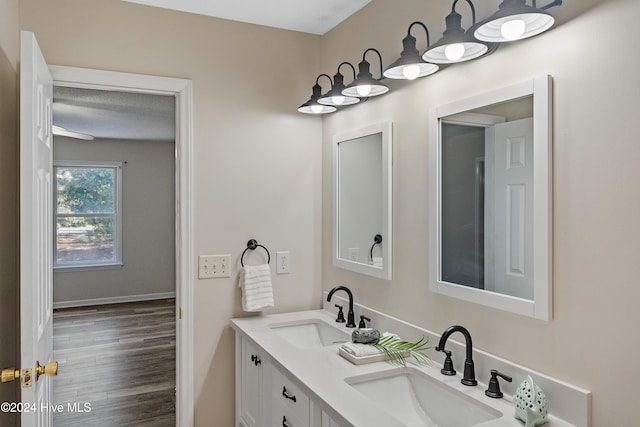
(182, 89)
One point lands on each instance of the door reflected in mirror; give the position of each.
(490, 195)
(362, 203)
(487, 198)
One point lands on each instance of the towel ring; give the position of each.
(377, 239)
(253, 244)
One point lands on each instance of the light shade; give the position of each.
(312, 106)
(456, 45)
(365, 85)
(514, 20)
(410, 65)
(335, 97)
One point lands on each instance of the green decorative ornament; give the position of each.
(532, 406)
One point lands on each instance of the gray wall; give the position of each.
(9, 344)
(148, 224)
(460, 149)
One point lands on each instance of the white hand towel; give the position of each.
(360, 350)
(257, 291)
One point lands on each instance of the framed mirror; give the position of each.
(362, 161)
(490, 199)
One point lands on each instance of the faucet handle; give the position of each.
(447, 368)
(494, 386)
(340, 318)
(362, 319)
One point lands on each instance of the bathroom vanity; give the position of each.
(289, 373)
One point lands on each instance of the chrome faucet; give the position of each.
(351, 323)
(469, 377)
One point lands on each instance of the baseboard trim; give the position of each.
(112, 300)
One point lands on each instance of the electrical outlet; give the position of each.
(282, 263)
(212, 266)
(354, 253)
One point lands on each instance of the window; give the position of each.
(87, 214)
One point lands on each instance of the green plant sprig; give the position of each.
(395, 349)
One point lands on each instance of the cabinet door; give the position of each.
(327, 421)
(251, 367)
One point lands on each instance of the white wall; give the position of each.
(257, 161)
(258, 165)
(596, 205)
(148, 223)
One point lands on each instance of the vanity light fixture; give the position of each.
(411, 65)
(365, 85)
(312, 106)
(335, 97)
(515, 20)
(456, 45)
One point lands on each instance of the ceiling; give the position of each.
(307, 16)
(115, 115)
(132, 116)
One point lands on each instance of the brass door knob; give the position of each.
(50, 369)
(10, 374)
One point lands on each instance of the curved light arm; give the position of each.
(350, 65)
(426, 30)
(379, 56)
(318, 78)
(473, 10)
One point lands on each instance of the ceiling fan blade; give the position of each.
(60, 131)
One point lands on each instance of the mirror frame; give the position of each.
(386, 129)
(541, 305)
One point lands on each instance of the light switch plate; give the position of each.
(214, 266)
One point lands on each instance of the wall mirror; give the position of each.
(490, 199)
(362, 236)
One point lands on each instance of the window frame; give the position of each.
(116, 262)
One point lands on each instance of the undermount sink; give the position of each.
(309, 333)
(418, 400)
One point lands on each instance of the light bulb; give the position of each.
(364, 90)
(411, 72)
(316, 109)
(512, 29)
(337, 100)
(454, 51)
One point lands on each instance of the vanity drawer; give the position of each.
(282, 417)
(287, 395)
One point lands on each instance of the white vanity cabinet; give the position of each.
(290, 405)
(253, 369)
(269, 396)
(327, 421)
(284, 379)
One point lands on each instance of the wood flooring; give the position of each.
(118, 358)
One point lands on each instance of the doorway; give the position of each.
(114, 257)
(182, 91)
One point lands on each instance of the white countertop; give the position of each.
(323, 371)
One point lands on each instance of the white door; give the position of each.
(36, 230)
(512, 264)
